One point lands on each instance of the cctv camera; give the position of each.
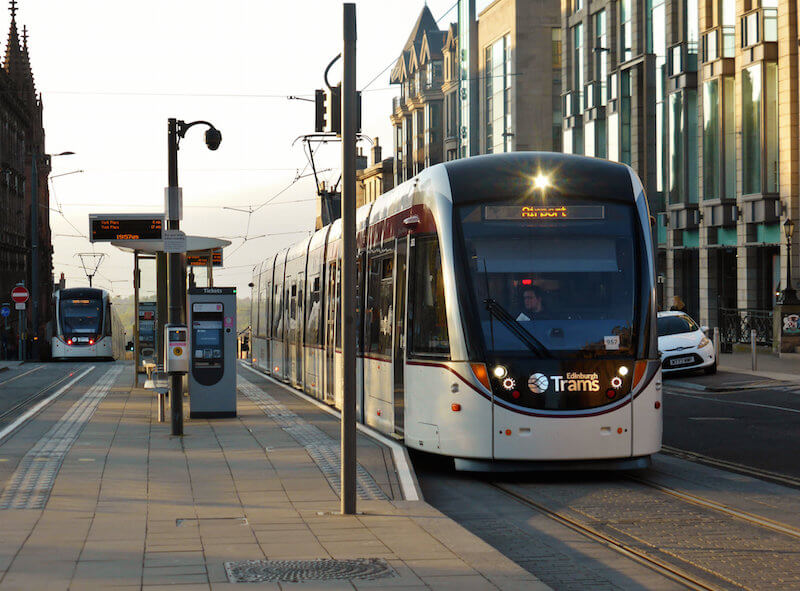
(213, 138)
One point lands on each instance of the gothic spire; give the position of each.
(13, 56)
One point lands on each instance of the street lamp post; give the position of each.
(789, 296)
(176, 261)
(35, 247)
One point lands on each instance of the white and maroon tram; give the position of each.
(506, 313)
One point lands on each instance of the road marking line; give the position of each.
(399, 452)
(40, 405)
(769, 406)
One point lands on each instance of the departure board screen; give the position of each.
(200, 259)
(543, 212)
(105, 228)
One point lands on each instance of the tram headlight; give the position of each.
(623, 371)
(500, 371)
(541, 181)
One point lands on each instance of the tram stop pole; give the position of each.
(348, 435)
(175, 269)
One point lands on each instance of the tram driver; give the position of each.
(532, 304)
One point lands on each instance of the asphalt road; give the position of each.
(735, 418)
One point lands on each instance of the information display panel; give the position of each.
(107, 227)
(200, 259)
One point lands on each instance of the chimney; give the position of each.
(361, 160)
(376, 152)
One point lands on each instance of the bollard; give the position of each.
(716, 343)
(753, 348)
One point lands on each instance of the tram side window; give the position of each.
(338, 291)
(314, 314)
(429, 320)
(277, 318)
(386, 299)
(371, 314)
(378, 310)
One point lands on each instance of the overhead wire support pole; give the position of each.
(349, 253)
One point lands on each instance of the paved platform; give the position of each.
(768, 365)
(111, 500)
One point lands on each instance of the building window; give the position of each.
(751, 129)
(497, 112)
(625, 31)
(771, 132)
(600, 51)
(613, 137)
(711, 133)
(729, 125)
(555, 36)
(578, 66)
(676, 148)
(625, 118)
(659, 47)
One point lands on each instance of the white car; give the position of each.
(683, 345)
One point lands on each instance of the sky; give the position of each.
(112, 73)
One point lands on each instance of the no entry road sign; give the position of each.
(19, 294)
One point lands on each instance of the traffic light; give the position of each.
(333, 109)
(319, 111)
(328, 110)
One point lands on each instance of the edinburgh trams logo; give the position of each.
(572, 382)
(538, 383)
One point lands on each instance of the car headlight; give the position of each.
(703, 342)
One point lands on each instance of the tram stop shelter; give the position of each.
(154, 249)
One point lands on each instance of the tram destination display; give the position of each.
(512, 213)
(107, 227)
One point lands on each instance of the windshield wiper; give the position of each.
(519, 331)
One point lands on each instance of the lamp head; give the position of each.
(213, 138)
(788, 228)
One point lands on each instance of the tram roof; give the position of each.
(495, 176)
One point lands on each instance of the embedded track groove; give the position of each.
(8, 413)
(658, 565)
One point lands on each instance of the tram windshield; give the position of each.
(565, 276)
(81, 316)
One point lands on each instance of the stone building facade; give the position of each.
(688, 93)
(22, 136)
(519, 83)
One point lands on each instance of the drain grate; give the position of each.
(296, 571)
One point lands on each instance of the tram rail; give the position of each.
(664, 568)
(21, 404)
(766, 475)
(18, 376)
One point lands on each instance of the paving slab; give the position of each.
(133, 507)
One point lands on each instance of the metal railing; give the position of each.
(736, 324)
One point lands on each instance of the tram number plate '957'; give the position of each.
(678, 361)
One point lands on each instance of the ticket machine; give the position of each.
(212, 340)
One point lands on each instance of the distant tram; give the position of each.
(506, 314)
(85, 326)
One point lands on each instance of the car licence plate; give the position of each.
(680, 361)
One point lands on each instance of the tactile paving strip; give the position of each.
(30, 486)
(297, 571)
(322, 448)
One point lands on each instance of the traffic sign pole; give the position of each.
(20, 295)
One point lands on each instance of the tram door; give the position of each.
(399, 339)
(331, 312)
